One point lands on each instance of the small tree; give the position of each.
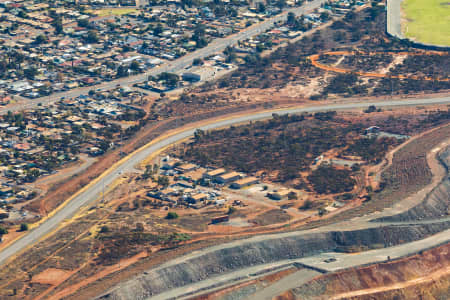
(135, 66)
(92, 37)
(23, 227)
(371, 109)
(306, 205)
(291, 18)
(197, 62)
(321, 211)
(139, 227)
(40, 39)
(163, 181)
(3, 230)
(122, 71)
(292, 196)
(171, 215)
(158, 29)
(104, 229)
(83, 23)
(57, 24)
(30, 72)
(231, 210)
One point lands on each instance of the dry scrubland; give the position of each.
(288, 73)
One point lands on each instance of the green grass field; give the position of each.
(113, 12)
(427, 21)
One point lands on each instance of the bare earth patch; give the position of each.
(51, 276)
(398, 60)
(301, 90)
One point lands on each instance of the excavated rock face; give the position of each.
(251, 253)
(436, 205)
(254, 253)
(428, 263)
(219, 262)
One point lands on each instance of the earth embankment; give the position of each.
(435, 205)
(218, 262)
(421, 276)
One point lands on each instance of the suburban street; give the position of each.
(216, 46)
(95, 188)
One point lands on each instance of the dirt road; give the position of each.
(319, 65)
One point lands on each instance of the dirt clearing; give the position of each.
(51, 276)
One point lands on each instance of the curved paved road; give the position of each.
(127, 165)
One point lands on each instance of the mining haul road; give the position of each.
(311, 252)
(93, 190)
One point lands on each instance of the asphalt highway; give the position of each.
(95, 189)
(216, 46)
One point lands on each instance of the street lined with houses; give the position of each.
(218, 45)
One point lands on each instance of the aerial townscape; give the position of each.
(224, 149)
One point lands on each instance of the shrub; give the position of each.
(329, 180)
(23, 227)
(370, 109)
(231, 210)
(321, 211)
(306, 205)
(292, 196)
(139, 227)
(3, 230)
(171, 215)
